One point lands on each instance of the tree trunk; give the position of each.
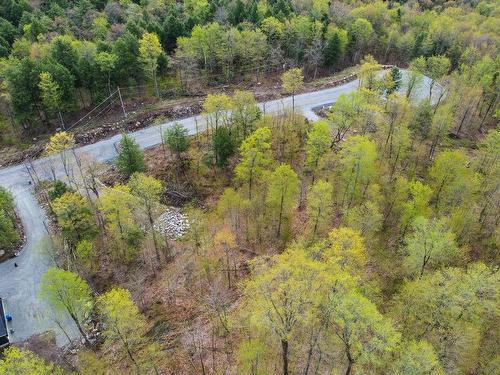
(109, 83)
(349, 368)
(284, 354)
(281, 215)
(151, 224)
(80, 328)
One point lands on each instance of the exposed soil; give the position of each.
(145, 112)
(45, 346)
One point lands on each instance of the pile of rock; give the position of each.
(172, 223)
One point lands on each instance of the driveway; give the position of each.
(19, 286)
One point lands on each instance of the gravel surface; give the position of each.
(173, 223)
(19, 286)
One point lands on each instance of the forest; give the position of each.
(365, 242)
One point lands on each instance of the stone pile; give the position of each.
(172, 223)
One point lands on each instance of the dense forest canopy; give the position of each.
(362, 243)
(62, 56)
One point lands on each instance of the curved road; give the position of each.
(18, 286)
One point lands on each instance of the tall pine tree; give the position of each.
(130, 158)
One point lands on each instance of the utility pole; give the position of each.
(62, 122)
(121, 101)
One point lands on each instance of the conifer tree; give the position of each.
(130, 158)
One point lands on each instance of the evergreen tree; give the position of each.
(130, 158)
(332, 50)
(224, 146)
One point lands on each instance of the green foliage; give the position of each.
(256, 158)
(368, 337)
(106, 63)
(452, 181)
(383, 171)
(417, 204)
(148, 191)
(66, 293)
(223, 145)
(360, 34)
(292, 80)
(176, 137)
(75, 217)
(318, 143)
(396, 80)
(24, 362)
(430, 245)
(336, 43)
(58, 190)
(422, 119)
(6, 201)
(49, 91)
(59, 143)
(449, 308)
(124, 325)
(358, 167)
(217, 107)
(347, 250)
(319, 207)
(245, 112)
(8, 233)
(418, 357)
(366, 218)
(117, 205)
(149, 52)
(368, 73)
(282, 192)
(130, 158)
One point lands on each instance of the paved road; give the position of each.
(18, 286)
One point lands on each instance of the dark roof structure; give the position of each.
(4, 332)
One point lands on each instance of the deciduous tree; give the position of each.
(416, 358)
(429, 245)
(75, 218)
(282, 193)
(368, 338)
(347, 250)
(148, 191)
(452, 309)
(245, 112)
(319, 206)
(217, 109)
(117, 204)
(256, 158)
(124, 325)
(59, 144)
(66, 293)
(453, 182)
(292, 80)
(24, 362)
(436, 68)
(49, 92)
(106, 62)
(149, 52)
(358, 167)
(318, 143)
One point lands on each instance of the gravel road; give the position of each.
(19, 286)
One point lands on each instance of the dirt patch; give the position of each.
(44, 345)
(138, 121)
(145, 112)
(12, 251)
